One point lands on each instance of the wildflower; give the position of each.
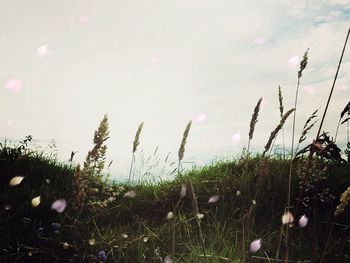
(255, 245)
(213, 199)
(303, 221)
(16, 180)
(59, 205)
(101, 256)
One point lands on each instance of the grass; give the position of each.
(105, 221)
(142, 218)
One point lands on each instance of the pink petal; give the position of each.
(199, 118)
(84, 19)
(236, 138)
(14, 85)
(310, 89)
(155, 60)
(59, 205)
(293, 62)
(213, 199)
(260, 40)
(255, 245)
(42, 51)
(303, 221)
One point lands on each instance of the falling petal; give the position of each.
(183, 191)
(213, 199)
(130, 194)
(199, 118)
(145, 239)
(56, 232)
(293, 62)
(91, 241)
(8, 207)
(287, 218)
(16, 180)
(263, 104)
(303, 221)
(200, 216)
(238, 193)
(168, 259)
(155, 60)
(42, 51)
(310, 89)
(260, 40)
(36, 201)
(59, 205)
(254, 202)
(66, 245)
(48, 181)
(255, 245)
(14, 85)
(170, 215)
(236, 138)
(84, 19)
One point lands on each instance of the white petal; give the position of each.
(170, 215)
(287, 218)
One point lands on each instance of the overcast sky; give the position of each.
(64, 64)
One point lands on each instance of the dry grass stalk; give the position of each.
(184, 140)
(280, 99)
(307, 126)
(276, 130)
(253, 121)
(134, 147)
(137, 138)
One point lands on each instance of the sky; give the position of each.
(64, 64)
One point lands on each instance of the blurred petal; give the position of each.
(255, 245)
(303, 221)
(42, 51)
(236, 138)
(170, 215)
(91, 241)
(260, 40)
(14, 85)
(59, 205)
(199, 118)
(287, 218)
(168, 259)
(213, 199)
(293, 62)
(130, 194)
(310, 89)
(183, 190)
(16, 180)
(36, 201)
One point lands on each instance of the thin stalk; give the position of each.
(131, 165)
